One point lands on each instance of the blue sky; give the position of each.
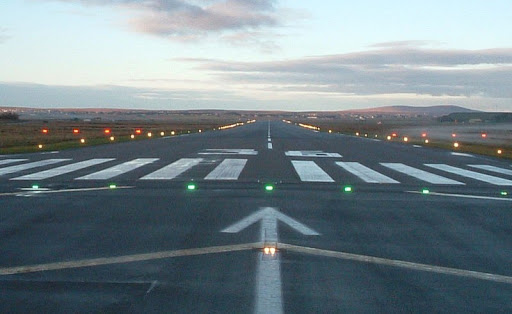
(255, 54)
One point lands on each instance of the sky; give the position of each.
(295, 55)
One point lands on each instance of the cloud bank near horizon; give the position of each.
(403, 70)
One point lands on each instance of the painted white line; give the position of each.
(270, 146)
(32, 192)
(399, 264)
(466, 196)
(10, 161)
(269, 139)
(173, 170)
(215, 151)
(309, 171)
(118, 170)
(126, 259)
(63, 169)
(272, 214)
(366, 174)
(311, 153)
(462, 154)
(493, 169)
(420, 174)
(18, 168)
(229, 169)
(417, 146)
(471, 174)
(269, 298)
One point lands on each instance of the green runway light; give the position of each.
(112, 186)
(191, 187)
(347, 189)
(35, 187)
(425, 191)
(269, 187)
(504, 193)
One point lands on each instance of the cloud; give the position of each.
(186, 20)
(431, 72)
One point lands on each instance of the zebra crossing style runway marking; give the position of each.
(493, 169)
(420, 174)
(173, 170)
(311, 153)
(366, 174)
(119, 169)
(31, 165)
(229, 169)
(471, 174)
(10, 161)
(216, 151)
(309, 171)
(63, 169)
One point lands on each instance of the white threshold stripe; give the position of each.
(471, 174)
(419, 174)
(399, 264)
(10, 161)
(229, 169)
(18, 168)
(493, 169)
(309, 171)
(63, 169)
(118, 170)
(270, 146)
(364, 173)
(465, 196)
(173, 170)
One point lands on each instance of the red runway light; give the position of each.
(76, 131)
(484, 135)
(138, 131)
(45, 131)
(107, 131)
(423, 134)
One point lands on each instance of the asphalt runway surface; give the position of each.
(348, 227)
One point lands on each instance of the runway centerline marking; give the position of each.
(269, 298)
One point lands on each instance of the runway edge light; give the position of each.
(347, 189)
(269, 187)
(191, 186)
(425, 191)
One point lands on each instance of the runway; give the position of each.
(358, 225)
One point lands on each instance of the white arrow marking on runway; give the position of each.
(269, 298)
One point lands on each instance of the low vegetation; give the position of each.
(37, 135)
(489, 139)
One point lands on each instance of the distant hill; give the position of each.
(476, 117)
(430, 110)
